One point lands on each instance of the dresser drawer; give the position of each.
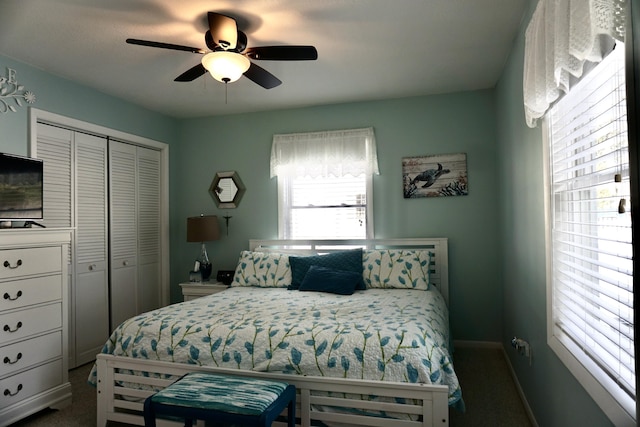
(23, 292)
(26, 384)
(23, 262)
(21, 324)
(21, 355)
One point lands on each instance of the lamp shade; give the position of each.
(225, 66)
(202, 228)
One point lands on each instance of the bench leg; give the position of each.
(291, 416)
(149, 415)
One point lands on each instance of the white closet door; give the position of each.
(91, 296)
(123, 235)
(54, 148)
(149, 247)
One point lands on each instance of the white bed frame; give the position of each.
(117, 402)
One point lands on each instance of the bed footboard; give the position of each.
(121, 395)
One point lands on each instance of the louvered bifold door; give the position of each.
(123, 231)
(149, 248)
(90, 295)
(54, 148)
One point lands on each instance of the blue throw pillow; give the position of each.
(324, 279)
(350, 260)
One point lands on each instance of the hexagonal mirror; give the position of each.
(227, 190)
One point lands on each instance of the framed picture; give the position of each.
(435, 176)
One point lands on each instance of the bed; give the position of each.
(361, 352)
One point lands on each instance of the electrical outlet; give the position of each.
(522, 347)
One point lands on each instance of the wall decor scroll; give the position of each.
(13, 93)
(435, 176)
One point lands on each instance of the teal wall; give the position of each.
(64, 97)
(554, 395)
(443, 124)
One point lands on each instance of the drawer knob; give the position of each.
(7, 392)
(7, 264)
(10, 298)
(8, 361)
(7, 328)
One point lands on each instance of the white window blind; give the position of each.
(327, 207)
(591, 266)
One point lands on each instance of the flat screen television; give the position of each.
(20, 188)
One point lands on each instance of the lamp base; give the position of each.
(205, 269)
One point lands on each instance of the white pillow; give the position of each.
(260, 269)
(396, 268)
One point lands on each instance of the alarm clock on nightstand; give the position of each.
(225, 276)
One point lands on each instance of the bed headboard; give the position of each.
(439, 276)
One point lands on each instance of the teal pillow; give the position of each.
(322, 279)
(350, 260)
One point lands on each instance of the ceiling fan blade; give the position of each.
(261, 77)
(166, 45)
(191, 74)
(283, 53)
(224, 30)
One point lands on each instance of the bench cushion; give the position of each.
(225, 393)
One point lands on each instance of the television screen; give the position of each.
(20, 188)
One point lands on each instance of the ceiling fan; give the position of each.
(229, 58)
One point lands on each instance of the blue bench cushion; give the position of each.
(225, 393)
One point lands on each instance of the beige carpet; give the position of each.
(81, 413)
(488, 390)
(489, 393)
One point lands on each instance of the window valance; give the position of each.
(562, 36)
(322, 154)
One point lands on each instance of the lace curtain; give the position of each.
(562, 36)
(321, 154)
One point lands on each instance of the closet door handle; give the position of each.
(8, 361)
(7, 328)
(92, 267)
(10, 298)
(7, 392)
(7, 264)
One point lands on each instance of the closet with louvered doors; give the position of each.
(134, 194)
(109, 192)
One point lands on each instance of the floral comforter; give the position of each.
(377, 334)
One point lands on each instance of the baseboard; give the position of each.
(498, 345)
(476, 344)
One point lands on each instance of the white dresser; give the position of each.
(33, 322)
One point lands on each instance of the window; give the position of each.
(324, 207)
(590, 295)
(325, 184)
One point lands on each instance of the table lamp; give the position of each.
(203, 229)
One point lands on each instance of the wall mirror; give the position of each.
(227, 189)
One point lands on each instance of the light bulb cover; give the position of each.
(225, 66)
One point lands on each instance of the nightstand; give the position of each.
(193, 290)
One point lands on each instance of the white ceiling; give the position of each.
(367, 49)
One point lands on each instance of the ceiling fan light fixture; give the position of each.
(225, 66)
